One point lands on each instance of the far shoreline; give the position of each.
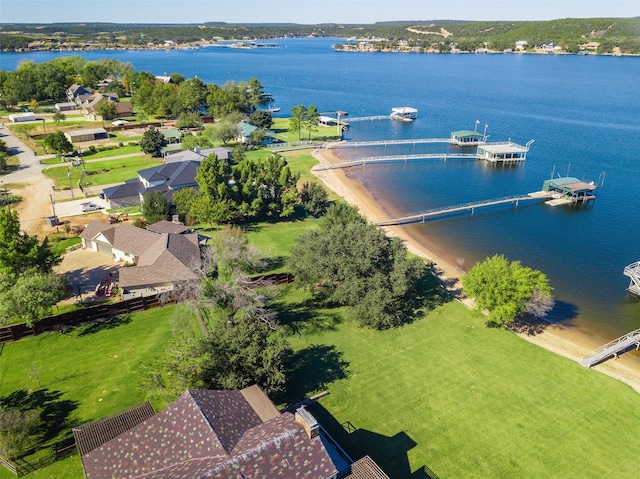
(563, 340)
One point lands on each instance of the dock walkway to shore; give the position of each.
(392, 158)
(423, 216)
(612, 349)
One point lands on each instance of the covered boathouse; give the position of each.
(467, 138)
(503, 152)
(568, 190)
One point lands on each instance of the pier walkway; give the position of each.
(428, 214)
(369, 118)
(392, 158)
(633, 272)
(415, 141)
(612, 349)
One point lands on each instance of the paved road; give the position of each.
(30, 168)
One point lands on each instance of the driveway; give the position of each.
(74, 207)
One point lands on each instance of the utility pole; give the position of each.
(70, 183)
(53, 210)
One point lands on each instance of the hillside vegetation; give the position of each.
(612, 34)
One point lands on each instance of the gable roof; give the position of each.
(130, 188)
(174, 175)
(211, 434)
(164, 226)
(198, 155)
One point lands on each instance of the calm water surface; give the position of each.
(582, 111)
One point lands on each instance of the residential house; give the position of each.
(76, 90)
(160, 259)
(166, 178)
(522, 45)
(246, 129)
(197, 154)
(216, 434)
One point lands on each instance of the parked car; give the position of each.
(101, 196)
(86, 207)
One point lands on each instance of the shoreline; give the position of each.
(563, 340)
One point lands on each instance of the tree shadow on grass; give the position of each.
(54, 411)
(104, 324)
(307, 317)
(428, 294)
(312, 369)
(389, 452)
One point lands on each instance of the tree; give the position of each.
(3, 161)
(57, 143)
(18, 431)
(34, 105)
(312, 119)
(507, 289)
(152, 142)
(226, 130)
(354, 264)
(28, 297)
(192, 95)
(296, 122)
(314, 198)
(155, 206)
(107, 109)
(58, 117)
(261, 119)
(20, 252)
(189, 119)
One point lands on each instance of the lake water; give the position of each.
(582, 111)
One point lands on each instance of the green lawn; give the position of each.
(461, 399)
(87, 373)
(281, 129)
(102, 172)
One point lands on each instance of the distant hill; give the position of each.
(611, 34)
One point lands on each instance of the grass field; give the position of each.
(461, 399)
(102, 172)
(86, 373)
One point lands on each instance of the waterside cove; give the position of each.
(582, 111)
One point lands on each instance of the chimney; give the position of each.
(308, 422)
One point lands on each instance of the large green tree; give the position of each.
(507, 289)
(355, 264)
(155, 206)
(152, 142)
(20, 252)
(296, 121)
(57, 143)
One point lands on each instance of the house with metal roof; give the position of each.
(218, 435)
(89, 134)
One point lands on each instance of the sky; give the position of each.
(305, 11)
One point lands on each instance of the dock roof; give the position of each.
(504, 147)
(569, 184)
(467, 134)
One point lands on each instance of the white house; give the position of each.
(22, 117)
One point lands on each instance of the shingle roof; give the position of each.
(211, 434)
(172, 174)
(198, 155)
(164, 226)
(132, 188)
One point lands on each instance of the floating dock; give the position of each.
(504, 152)
(404, 113)
(467, 138)
(568, 190)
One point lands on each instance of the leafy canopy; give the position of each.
(506, 289)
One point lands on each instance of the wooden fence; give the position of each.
(75, 318)
(22, 467)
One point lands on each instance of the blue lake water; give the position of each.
(582, 111)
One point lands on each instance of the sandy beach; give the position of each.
(566, 341)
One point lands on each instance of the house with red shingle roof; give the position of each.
(219, 434)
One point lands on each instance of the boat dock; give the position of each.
(633, 272)
(568, 190)
(385, 143)
(612, 349)
(393, 158)
(469, 207)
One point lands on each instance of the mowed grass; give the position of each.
(462, 400)
(102, 172)
(94, 369)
